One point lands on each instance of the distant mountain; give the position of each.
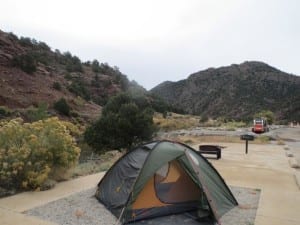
(32, 74)
(236, 92)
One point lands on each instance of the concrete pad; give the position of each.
(259, 156)
(11, 218)
(264, 167)
(266, 220)
(257, 178)
(28, 200)
(294, 163)
(281, 204)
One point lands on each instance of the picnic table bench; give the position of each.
(210, 149)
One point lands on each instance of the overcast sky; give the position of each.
(152, 41)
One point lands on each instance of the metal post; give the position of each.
(246, 146)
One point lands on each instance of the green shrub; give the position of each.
(73, 63)
(56, 85)
(25, 62)
(44, 46)
(267, 114)
(25, 41)
(12, 36)
(62, 107)
(95, 66)
(68, 76)
(4, 112)
(31, 152)
(96, 82)
(39, 113)
(122, 125)
(78, 87)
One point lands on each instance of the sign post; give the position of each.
(247, 137)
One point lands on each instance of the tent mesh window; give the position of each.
(171, 184)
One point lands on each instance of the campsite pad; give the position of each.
(84, 208)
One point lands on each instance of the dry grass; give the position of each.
(104, 162)
(190, 140)
(175, 121)
(262, 140)
(280, 142)
(230, 126)
(90, 167)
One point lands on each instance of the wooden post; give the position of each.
(247, 137)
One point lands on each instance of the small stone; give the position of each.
(48, 184)
(288, 153)
(294, 163)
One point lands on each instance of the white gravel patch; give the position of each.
(84, 209)
(78, 209)
(245, 213)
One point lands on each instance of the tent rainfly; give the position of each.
(164, 178)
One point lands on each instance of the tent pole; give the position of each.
(121, 214)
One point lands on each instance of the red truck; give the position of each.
(260, 125)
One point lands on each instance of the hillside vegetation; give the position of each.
(236, 92)
(32, 74)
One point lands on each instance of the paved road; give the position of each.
(291, 137)
(275, 132)
(289, 133)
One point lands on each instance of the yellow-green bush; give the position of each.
(30, 152)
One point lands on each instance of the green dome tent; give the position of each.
(163, 178)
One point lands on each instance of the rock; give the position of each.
(48, 184)
(288, 153)
(294, 163)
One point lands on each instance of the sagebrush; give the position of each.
(30, 153)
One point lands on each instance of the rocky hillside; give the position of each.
(32, 74)
(236, 92)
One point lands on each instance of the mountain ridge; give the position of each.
(237, 92)
(32, 74)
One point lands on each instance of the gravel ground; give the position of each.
(245, 213)
(84, 209)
